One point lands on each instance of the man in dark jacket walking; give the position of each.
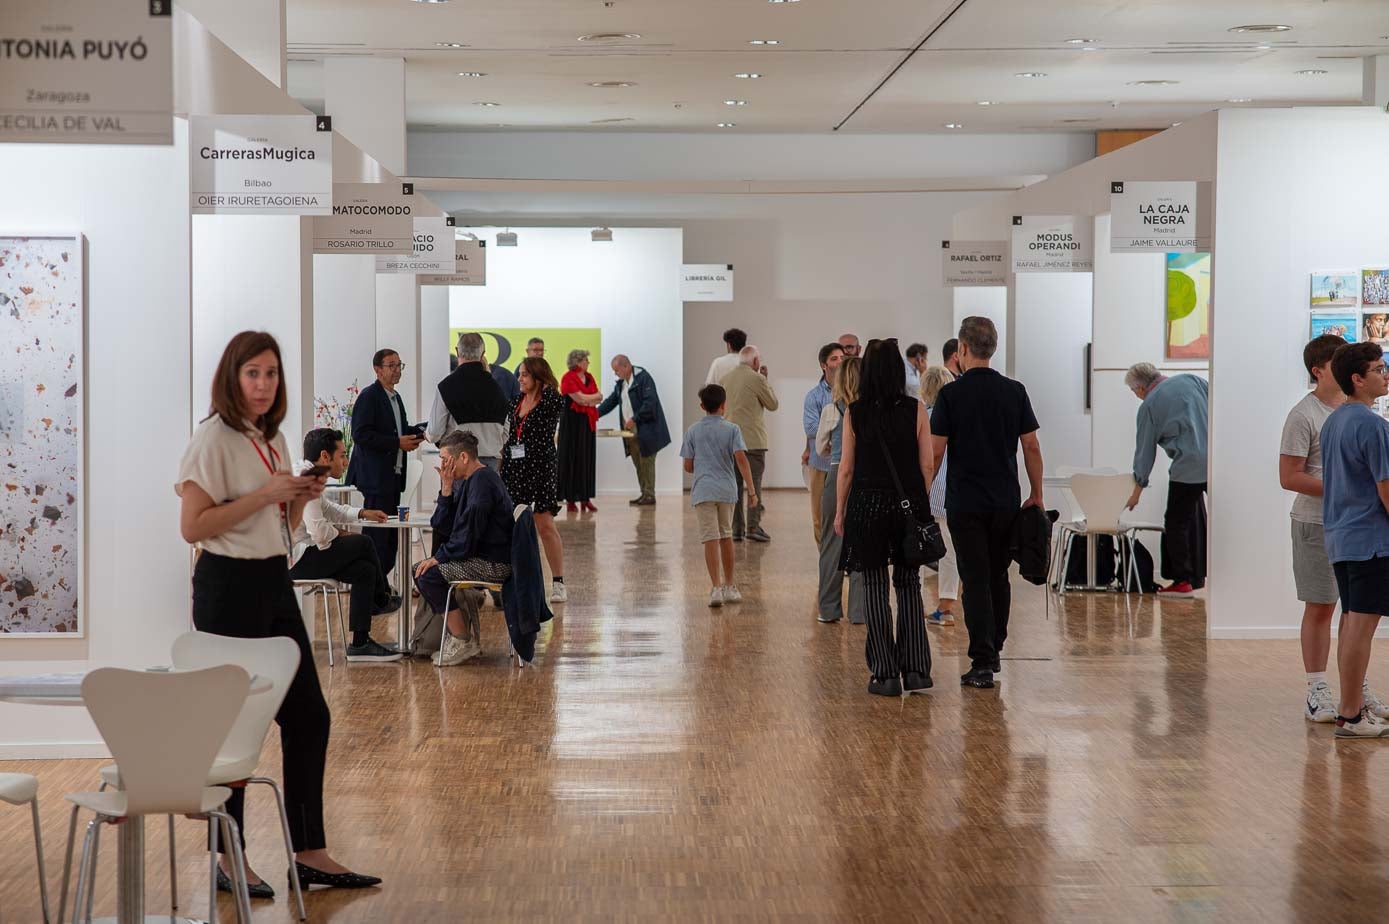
(635, 394)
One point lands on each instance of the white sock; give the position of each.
(1314, 679)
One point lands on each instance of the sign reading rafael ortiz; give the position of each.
(261, 165)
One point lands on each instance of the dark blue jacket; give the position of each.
(523, 594)
(507, 382)
(652, 433)
(475, 521)
(376, 441)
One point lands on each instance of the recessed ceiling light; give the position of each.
(1175, 124)
(748, 76)
(609, 37)
(953, 125)
(488, 105)
(1263, 47)
(1153, 83)
(1240, 99)
(431, 1)
(471, 74)
(612, 121)
(735, 102)
(1260, 27)
(764, 41)
(449, 45)
(1029, 74)
(1089, 48)
(1310, 72)
(1081, 41)
(783, 1)
(728, 125)
(1074, 121)
(985, 102)
(611, 84)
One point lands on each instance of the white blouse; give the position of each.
(225, 463)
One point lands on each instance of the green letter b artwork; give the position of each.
(1188, 305)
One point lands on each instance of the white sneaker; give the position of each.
(456, 651)
(1373, 703)
(1367, 727)
(731, 594)
(716, 597)
(1320, 705)
(558, 592)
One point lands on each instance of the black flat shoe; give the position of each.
(308, 876)
(978, 678)
(261, 889)
(916, 683)
(889, 687)
(390, 606)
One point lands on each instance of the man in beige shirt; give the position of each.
(750, 396)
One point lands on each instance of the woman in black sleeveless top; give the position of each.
(885, 422)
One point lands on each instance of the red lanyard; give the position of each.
(275, 456)
(521, 418)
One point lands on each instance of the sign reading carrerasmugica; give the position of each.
(260, 165)
(86, 71)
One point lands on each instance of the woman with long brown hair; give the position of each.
(529, 460)
(241, 504)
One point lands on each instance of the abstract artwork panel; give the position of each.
(1374, 286)
(42, 393)
(1188, 305)
(506, 346)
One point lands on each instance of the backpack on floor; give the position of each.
(428, 634)
(1143, 563)
(1105, 565)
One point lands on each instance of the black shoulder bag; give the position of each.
(922, 544)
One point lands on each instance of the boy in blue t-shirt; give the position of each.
(711, 448)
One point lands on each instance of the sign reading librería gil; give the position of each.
(261, 165)
(974, 263)
(431, 249)
(706, 282)
(470, 266)
(86, 71)
(1158, 217)
(373, 218)
(1053, 244)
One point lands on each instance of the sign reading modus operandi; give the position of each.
(375, 218)
(261, 165)
(86, 71)
(1053, 244)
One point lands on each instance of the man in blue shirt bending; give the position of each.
(1355, 511)
(1174, 415)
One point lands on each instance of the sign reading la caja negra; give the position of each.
(1162, 216)
(86, 71)
(1053, 244)
(261, 165)
(469, 269)
(974, 263)
(431, 249)
(373, 218)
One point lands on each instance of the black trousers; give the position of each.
(981, 551)
(252, 598)
(385, 540)
(908, 651)
(1184, 538)
(351, 559)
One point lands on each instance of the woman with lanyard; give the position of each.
(529, 460)
(241, 504)
(577, 430)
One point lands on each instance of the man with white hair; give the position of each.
(469, 398)
(635, 395)
(750, 396)
(1174, 415)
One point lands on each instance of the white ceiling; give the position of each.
(833, 53)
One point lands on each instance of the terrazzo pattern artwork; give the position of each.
(41, 400)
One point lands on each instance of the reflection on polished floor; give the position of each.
(670, 760)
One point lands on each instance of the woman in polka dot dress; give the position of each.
(529, 460)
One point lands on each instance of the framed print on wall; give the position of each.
(42, 429)
(1188, 306)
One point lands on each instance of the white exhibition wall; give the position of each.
(558, 277)
(1052, 321)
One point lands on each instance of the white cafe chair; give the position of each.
(323, 587)
(1101, 500)
(164, 729)
(23, 789)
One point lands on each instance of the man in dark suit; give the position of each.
(635, 394)
(382, 438)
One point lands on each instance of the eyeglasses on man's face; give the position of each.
(394, 366)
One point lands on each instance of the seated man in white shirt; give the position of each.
(324, 550)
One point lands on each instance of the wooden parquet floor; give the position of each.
(669, 761)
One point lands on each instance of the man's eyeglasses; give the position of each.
(400, 366)
(1382, 369)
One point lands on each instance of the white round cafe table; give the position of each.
(65, 689)
(402, 568)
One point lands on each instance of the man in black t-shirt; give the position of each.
(983, 416)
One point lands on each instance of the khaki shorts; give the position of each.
(715, 521)
(1312, 573)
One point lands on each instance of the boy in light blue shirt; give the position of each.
(711, 449)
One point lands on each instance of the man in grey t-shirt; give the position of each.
(1300, 470)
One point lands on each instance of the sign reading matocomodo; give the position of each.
(706, 282)
(469, 269)
(86, 71)
(261, 165)
(431, 249)
(376, 218)
(974, 263)
(1148, 216)
(1053, 244)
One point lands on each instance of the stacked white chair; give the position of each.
(23, 789)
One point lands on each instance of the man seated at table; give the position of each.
(327, 552)
(475, 511)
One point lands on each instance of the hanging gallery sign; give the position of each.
(375, 218)
(469, 267)
(1159, 216)
(1053, 244)
(974, 263)
(431, 249)
(261, 164)
(86, 71)
(706, 282)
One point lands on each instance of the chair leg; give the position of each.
(1066, 561)
(38, 850)
(342, 624)
(91, 870)
(67, 869)
(212, 826)
(289, 844)
(173, 868)
(82, 867)
(444, 629)
(327, 621)
(238, 864)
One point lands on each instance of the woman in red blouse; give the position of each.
(577, 425)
